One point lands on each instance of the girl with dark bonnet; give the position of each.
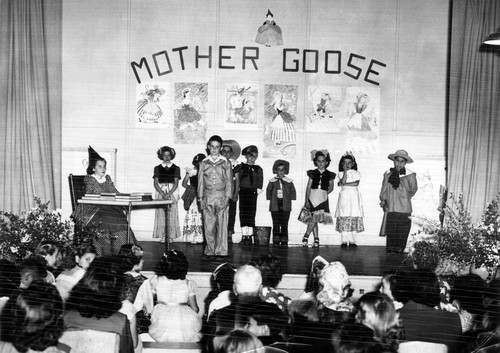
(251, 179)
(50, 250)
(193, 223)
(174, 318)
(110, 220)
(319, 185)
(166, 182)
(280, 191)
(33, 321)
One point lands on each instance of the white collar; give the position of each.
(167, 165)
(99, 180)
(285, 179)
(220, 157)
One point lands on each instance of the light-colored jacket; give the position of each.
(399, 200)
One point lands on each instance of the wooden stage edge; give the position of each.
(295, 259)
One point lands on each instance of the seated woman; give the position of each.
(110, 220)
(95, 302)
(32, 321)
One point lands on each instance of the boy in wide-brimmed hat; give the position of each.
(231, 150)
(398, 187)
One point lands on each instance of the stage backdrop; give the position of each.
(288, 76)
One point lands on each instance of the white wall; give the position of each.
(100, 39)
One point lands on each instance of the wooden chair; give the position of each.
(85, 341)
(76, 188)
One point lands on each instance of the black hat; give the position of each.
(93, 157)
(283, 163)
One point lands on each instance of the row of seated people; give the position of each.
(243, 312)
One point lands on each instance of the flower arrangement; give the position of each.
(20, 234)
(459, 243)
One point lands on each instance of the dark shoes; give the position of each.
(246, 240)
(344, 245)
(353, 245)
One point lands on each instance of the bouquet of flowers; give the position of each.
(459, 243)
(21, 233)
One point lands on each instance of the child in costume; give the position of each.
(193, 223)
(280, 191)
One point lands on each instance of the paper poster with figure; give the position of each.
(325, 109)
(190, 110)
(152, 105)
(241, 106)
(269, 34)
(362, 119)
(280, 118)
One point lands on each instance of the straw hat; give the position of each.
(401, 153)
(235, 146)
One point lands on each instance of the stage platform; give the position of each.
(362, 261)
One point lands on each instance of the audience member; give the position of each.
(239, 341)
(84, 255)
(270, 269)
(95, 302)
(33, 321)
(32, 269)
(222, 295)
(50, 251)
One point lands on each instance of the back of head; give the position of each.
(173, 265)
(238, 341)
(33, 319)
(471, 292)
(131, 255)
(32, 269)
(265, 314)
(270, 269)
(46, 247)
(223, 276)
(98, 293)
(376, 311)
(247, 281)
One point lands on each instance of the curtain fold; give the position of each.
(30, 102)
(474, 105)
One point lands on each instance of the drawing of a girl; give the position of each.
(358, 120)
(188, 116)
(282, 128)
(148, 109)
(269, 34)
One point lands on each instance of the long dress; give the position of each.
(110, 220)
(349, 211)
(67, 280)
(172, 320)
(192, 231)
(166, 177)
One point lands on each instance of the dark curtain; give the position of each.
(30, 102)
(474, 104)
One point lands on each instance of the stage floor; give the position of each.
(362, 261)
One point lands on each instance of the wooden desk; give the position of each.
(134, 204)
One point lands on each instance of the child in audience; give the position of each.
(220, 297)
(349, 211)
(238, 341)
(33, 321)
(50, 251)
(174, 318)
(280, 191)
(32, 269)
(251, 179)
(193, 223)
(319, 185)
(166, 182)
(84, 255)
(376, 311)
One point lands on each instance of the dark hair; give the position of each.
(347, 156)
(214, 138)
(224, 276)
(470, 291)
(47, 247)
(173, 265)
(420, 286)
(36, 265)
(270, 269)
(164, 149)
(239, 340)
(265, 314)
(33, 319)
(98, 293)
(197, 159)
(90, 168)
(321, 154)
(252, 150)
(357, 338)
(85, 248)
(131, 254)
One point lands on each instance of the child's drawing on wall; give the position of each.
(362, 119)
(190, 112)
(269, 34)
(324, 109)
(280, 119)
(152, 104)
(241, 106)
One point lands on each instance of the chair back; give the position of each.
(85, 341)
(420, 347)
(76, 188)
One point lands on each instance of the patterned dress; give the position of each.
(166, 178)
(110, 220)
(318, 198)
(349, 211)
(193, 223)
